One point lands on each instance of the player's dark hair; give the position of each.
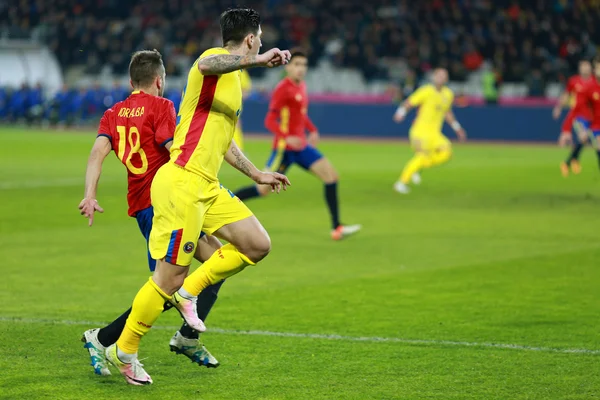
(237, 23)
(145, 66)
(297, 52)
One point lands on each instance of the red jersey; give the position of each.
(139, 128)
(288, 113)
(593, 99)
(576, 86)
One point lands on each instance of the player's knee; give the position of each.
(332, 176)
(324, 170)
(262, 247)
(330, 179)
(258, 247)
(443, 155)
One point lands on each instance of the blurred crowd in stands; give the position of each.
(66, 107)
(525, 40)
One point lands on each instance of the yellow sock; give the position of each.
(147, 306)
(440, 157)
(225, 262)
(414, 165)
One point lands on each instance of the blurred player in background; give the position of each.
(426, 138)
(593, 99)
(188, 198)
(140, 131)
(246, 82)
(566, 130)
(580, 114)
(288, 120)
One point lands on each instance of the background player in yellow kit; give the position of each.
(246, 83)
(188, 198)
(431, 147)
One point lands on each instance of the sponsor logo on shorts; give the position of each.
(220, 254)
(188, 247)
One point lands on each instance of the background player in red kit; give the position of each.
(140, 131)
(288, 120)
(581, 113)
(593, 96)
(566, 129)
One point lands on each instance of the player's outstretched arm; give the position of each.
(562, 101)
(402, 110)
(453, 122)
(239, 161)
(313, 132)
(218, 64)
(89, 204)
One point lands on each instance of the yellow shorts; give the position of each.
(184, 205)
(428, 140)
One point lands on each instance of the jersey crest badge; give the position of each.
(188, 247)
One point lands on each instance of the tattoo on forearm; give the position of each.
(225, 63)
(241, 162)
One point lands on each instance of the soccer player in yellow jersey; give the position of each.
(186, 194)
(246, 82)
(431, 147)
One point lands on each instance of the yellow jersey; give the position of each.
(209, 110)
(246, 82)
(433, 105)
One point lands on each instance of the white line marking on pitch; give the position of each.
(369, 339)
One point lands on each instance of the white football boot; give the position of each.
(96, 350)
(401, 188)
(133, 372)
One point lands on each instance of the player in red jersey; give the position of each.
(566, 129)
(593, 97)
(581, 113)
(140, 131)
(288, 120)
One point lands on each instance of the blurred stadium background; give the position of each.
(481, 284)
(65, 61)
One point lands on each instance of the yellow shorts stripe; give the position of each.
(275, 161)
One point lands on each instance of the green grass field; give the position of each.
(481, 284)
